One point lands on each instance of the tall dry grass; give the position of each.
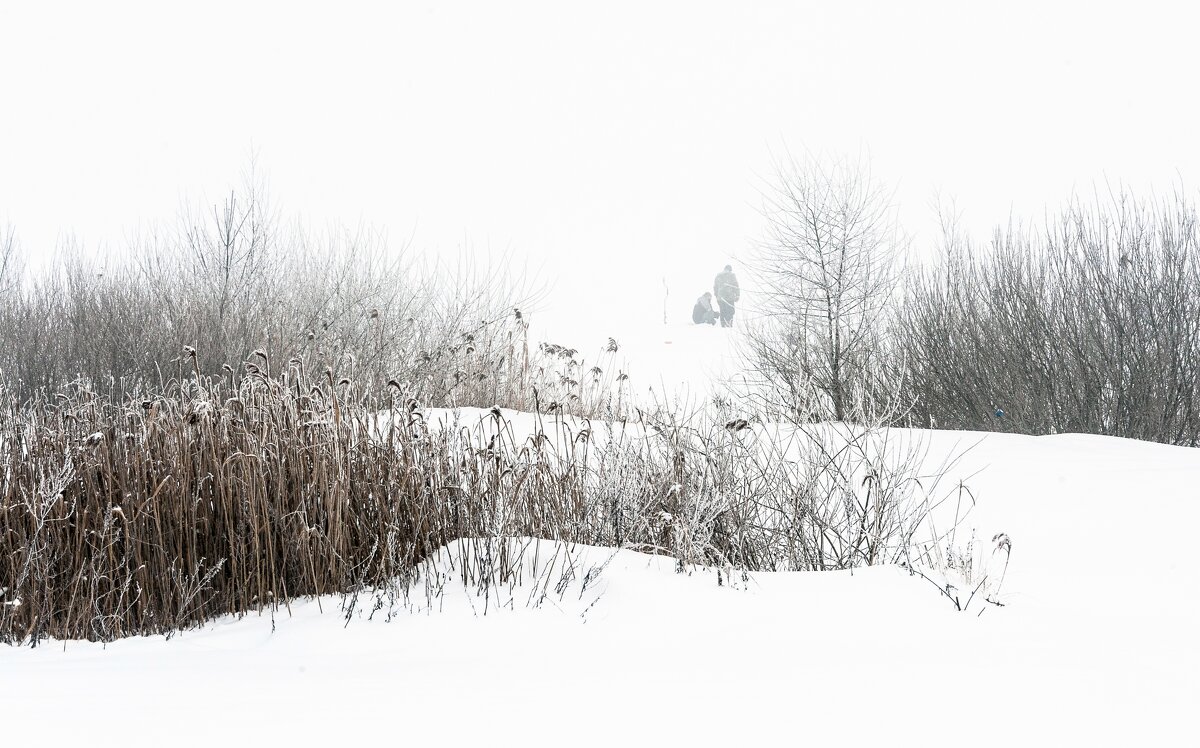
(126, 515)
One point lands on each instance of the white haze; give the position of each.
(611, 145)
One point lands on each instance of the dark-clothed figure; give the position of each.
(702, 313)
(727, 291)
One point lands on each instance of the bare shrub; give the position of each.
(233, 280)
(1093, 326)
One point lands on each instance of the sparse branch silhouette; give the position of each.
(829, 265)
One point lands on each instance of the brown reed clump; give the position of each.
(136, 515)
(149, 516)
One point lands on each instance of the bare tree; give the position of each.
(828, 267)
(9, 260)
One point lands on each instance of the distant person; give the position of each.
(726, 288)
(702, 313)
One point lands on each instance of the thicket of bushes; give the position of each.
(237, 281)
(1091, 326)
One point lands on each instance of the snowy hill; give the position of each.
(1094, 645)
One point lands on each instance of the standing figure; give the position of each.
(702, 313)
(726, 288)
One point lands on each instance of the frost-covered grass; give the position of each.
(149, 516)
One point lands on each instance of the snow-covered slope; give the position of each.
(1095, 644)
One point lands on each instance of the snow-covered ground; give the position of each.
(1095, 645)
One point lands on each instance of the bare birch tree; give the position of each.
(828, 268)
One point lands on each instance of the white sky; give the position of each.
(612, 143)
